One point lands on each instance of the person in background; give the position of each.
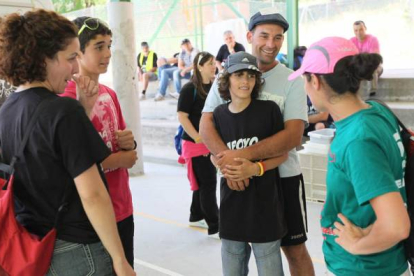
(147, 67)
(367, 43)
(364, 219)
(185, 65)
(201, 172)
(229, 47)
(298, 54)
(317, 120)
(38, 55)
(105, 113)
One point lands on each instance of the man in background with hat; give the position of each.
(185, 65)
(266, 34)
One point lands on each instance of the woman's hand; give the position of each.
(243, 170)
(123, 268)
(349, 234)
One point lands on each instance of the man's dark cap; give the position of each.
(273, 18)
(144, 44)
(185, 40)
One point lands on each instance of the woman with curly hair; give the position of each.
(38, 53)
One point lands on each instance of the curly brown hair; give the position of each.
(224, 84)
(27, 40)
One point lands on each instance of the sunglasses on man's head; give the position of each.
(90, 23)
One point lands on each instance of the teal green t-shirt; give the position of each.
(366, 160)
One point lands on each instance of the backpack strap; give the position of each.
(404, 128)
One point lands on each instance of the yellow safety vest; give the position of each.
(150, 61)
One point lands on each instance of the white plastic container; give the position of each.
(322, 136)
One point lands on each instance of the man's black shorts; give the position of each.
(295, 210)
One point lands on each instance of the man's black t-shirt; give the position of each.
(63, 145)
(192, 104)
(223, 52)
(256, 214)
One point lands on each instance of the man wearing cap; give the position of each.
(230, 47)
(147, 67)
(266, 34)
(367, 43)
(185, 65)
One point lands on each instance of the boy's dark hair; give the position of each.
(200, 59)
(88, 34)
(349, 72)
(224, 84)
(27, 40)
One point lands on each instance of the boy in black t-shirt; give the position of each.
(254, 215)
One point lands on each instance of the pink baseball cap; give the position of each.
(322, 56)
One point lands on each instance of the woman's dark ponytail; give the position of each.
(351, 70)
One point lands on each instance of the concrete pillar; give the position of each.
(124, 72)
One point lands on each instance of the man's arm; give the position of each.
(273, 146)
(209, 134)
(318, 117)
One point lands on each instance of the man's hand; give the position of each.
(183, 73)
(225, 158)
(125, 139)
(86, 92)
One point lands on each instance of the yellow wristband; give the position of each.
(198, 139)
(261, 168)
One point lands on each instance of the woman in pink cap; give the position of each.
(364, 218)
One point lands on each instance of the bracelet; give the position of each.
(263, 165)
(135, 145)
(261, 168)
(198, 139)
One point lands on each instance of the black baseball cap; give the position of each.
(273, 18)
(240, 61)
(185, 40)
(144, 44)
